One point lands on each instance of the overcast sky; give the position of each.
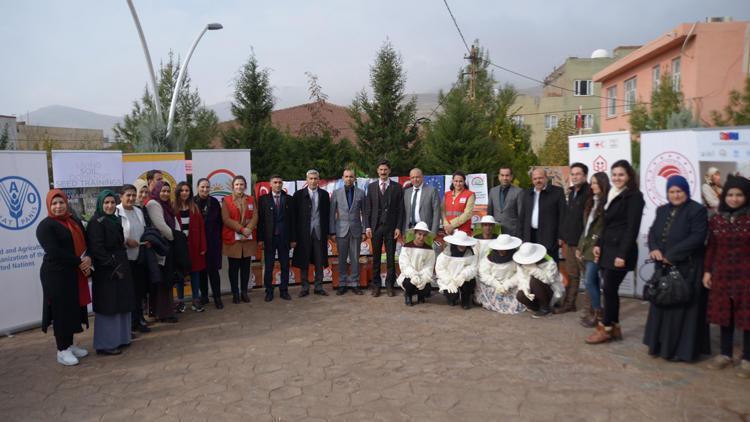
(86, 53)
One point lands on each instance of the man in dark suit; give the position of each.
(383, 220)
(570, 233)
(542, 212)
(312, 209)
(505, 203)
(421, 203)
(276, 231)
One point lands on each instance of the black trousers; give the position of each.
(239, 267)
(63, 341)
(315, 252)
(141, 285)
(612, 281)
(411, 290)
(278, 247)
(213, 276)
(542, 295)
(727, 339)
(380, 236)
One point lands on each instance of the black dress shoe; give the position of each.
(420, 299)
(408, 301)
(269, 296)
(320, 292)
(142, 328)
(303, 293)
(245, 298)
(235, 298)
(390, 291)
(376, 291)
(285, 295)
(218, 303)
(341, 290)
(108, 352)
(357, 291)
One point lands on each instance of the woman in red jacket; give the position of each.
(191, 223)
(238, 237)
(727, 272)
(458, 206)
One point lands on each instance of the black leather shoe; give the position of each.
(376, 291)
(420, 299)
(218, 303)
(390, 291)
(357, 291)
(303, 293)
(320, 292)
(108, 352)
(235, 298)
(341, 290)
(142, 328)
(285, 295)
(245, 298)
(408, 301)
(269, 296)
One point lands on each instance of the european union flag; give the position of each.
(437, 182)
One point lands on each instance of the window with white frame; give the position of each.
(588, 121)
(518, 120)
(550, 121)
(611, 101)
(676, 74)
(584, 87)
(655, 77)
(630, 88)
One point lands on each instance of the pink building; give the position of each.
(705, 60)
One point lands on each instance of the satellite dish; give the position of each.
(600, 54)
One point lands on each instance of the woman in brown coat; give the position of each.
(240, 219)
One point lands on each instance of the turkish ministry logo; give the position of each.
(221, 183)
(729, 136)
(599, 164)
(661, 168)
(583, 145)
(20, 204)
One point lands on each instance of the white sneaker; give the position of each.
(79, 352)
(66, 357)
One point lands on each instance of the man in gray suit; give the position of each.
(347, 211)
(421, 203)
(505, 203)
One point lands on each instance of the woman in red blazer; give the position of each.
(191, 223)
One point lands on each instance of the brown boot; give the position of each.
(601, 335)
(591, 321)
(616, 332)
(571, 293)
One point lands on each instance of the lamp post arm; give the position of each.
(157, 102)
(180, 77)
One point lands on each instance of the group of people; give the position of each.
(137, 250)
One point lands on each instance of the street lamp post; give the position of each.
(157, 103)
(181, 75)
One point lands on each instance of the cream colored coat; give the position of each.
(546, 272)
(416, 264)
(499, 276)
(452, 272)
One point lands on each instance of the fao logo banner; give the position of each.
(20, 203)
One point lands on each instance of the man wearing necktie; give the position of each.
(421, 203)
(347, 212)
(384, 209)
(312, 214)
(505, 202)
(276, 231)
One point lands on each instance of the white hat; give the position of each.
(422, 226)
(460, 238)
(529, 253)
(505, 242)
(488, 219)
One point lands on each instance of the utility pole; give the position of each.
(473, 59)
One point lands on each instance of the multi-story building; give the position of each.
(568, 88)
(705, 61)
(30, 137)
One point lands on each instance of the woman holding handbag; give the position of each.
(679, 332)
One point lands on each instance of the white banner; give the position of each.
(171, 164)
(220, 166)
(24, 184)
(86, 169)
(477, 183)
(599, 150)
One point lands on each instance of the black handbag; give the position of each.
(667, 287)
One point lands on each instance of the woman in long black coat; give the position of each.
(677, 237)
(617, 249)
(210, 208)
(113, 295)
(64, 275)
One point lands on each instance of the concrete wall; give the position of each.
(34, 137)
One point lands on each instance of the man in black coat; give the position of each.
(542, 213)
(312, 207)
(276, 231)
(571, 231)
(384, 209)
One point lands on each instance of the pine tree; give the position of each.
(666, 111)
(4, 138)
(555, 150)
(385, 125)
(513, 136)
(737, 112)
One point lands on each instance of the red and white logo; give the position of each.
(599, 164)
(661, 168)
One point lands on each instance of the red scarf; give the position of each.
(79, 241)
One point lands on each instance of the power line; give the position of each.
(468, 50)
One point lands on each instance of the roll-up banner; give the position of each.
(220, 166)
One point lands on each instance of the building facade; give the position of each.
(568, 88)
(705, 61)
(30, 137)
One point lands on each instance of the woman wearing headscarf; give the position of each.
(210, 209)
(456, 269)
(496, 290)
(64, 275)
(417, 263)
(727, 272)
(142, 193)
(538, 279)
(593, 215)
(133, 225)
(160, 214)
(676, 239)
(112, 284)
(711, 189)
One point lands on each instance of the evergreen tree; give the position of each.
(385, 124)
(514, 137)
(194, 124)
(4, 138)
(737, 112)
(666, 111)
(555, 150)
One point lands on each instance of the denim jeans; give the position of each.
(195, 286)
(593, 284)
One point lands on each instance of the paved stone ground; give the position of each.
(362, 358)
